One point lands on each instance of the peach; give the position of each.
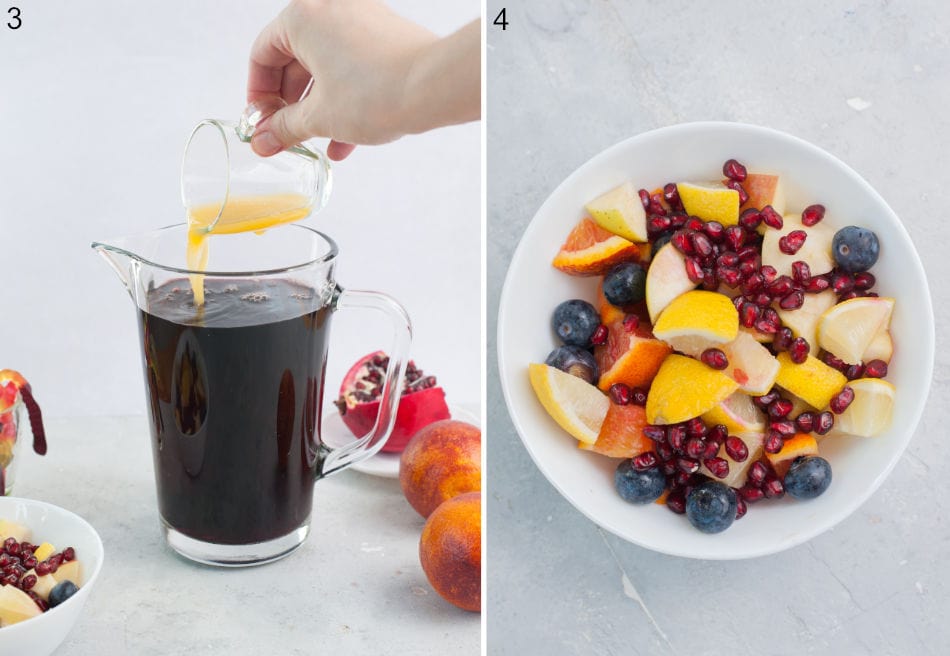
(441, 461)
(450, 550)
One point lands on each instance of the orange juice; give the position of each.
(242, 214)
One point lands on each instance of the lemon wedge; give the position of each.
(710, 201)
(847, 329)
(812, 381)
(738, 413)
(870, 411)
(698, 320)
(621, 212)
(685, 388)
(577, 406)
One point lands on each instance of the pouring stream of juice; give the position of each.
(247, 214)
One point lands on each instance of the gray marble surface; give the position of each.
(867, 81)
(355, 586)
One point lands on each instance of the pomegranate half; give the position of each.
(422, 402)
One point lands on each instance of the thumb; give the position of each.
(284, 128)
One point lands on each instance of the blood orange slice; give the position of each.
(621, 434)
(590, 250)
(629, 357)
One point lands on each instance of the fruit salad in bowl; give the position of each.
(733, 326)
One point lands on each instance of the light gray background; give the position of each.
(867, 81)
(96, 102)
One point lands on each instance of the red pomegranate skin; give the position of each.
(416, 411)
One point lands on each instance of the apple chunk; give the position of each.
(621, 212)
(815, 252)
(16, 605)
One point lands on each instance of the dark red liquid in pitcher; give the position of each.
(234, 391)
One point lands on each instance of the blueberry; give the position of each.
(575, 322)
(61, 592)
(639, 486)
(575, 361)
(808, 477)
(711, 507)
(855, 249)
(625, 284)
(661, 241)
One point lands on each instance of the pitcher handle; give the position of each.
(370, 444)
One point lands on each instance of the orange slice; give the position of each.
(632, 358)
(590, 250)
(621, 434)
(801, 444)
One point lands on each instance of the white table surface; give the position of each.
(355, 586)
(867, 81)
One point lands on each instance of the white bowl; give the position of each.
(40, 635)
(696, 151)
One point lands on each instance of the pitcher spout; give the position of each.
(121, 260)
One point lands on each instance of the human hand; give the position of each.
(376, 76)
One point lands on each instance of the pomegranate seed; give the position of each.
(717, 433)
(792, 301)
(750, 219)
(734, 170)
(757, 473)
(631, 322)
(710, 282)
(678, 219)
(812, 215)
(753, 283)
(695, 427)
(682, 242)
(28, 582)
(672, 195)
(676, 501)
(741, 508)
(693, 224)
(43, 569)
(655, 433)
(765, 400)
(737, 302)
(875, 369)
(817, 284)
(773, 443)
(841, 400)
(783, 339)
(729, 276)
(864, 280)
(695, 448)
(773, 488)
(792, 242)
(743, 194)
(801, 272)
(665, 452)
(42, 605)
(824, 422)
(701, 244)
(684, 480)
(712, 449)
(694, 270)
(842, 282)
(798, 351)
(69, 554)
(780, 408)
(834, 362)
(768, 322)
(734, 236)
(854, 371)
(748, 314)
(748, 253)
(781, 286)
(727, 259)
(847, 296)
(747, 268)
(771, 218)
(805, 422)
(715, 358)
(29, 562)
(751, 494)
(736, 449)
(676, 436)
(762, 299)
(599, 336)
(784, 427)
(644, 461)
(620, 393)
(656, 204)
(718, 466)
(687, 465)
(658, 223)
(644, 198)
(10, 579)
(768, 273)
(638, 396)
(714, 230)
